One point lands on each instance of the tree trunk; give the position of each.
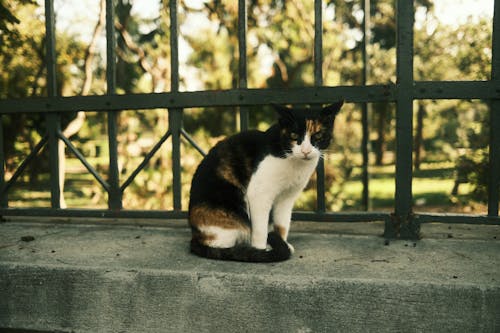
(76, 124)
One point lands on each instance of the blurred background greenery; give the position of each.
(451, 136)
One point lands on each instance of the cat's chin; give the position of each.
(310, 158)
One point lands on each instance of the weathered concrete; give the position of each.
(115, 278)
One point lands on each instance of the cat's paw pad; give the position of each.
(292, 249)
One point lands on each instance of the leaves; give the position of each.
(280, 44)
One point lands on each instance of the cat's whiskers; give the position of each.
(327, 152)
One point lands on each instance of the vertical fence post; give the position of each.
(403, 224)
(175, 114)
(318, 81)
(242, 59)
(365, 109)
(494, 152)
(114, 194)
(53, 120)
(494, 159)
(3, 193)
(53, 127)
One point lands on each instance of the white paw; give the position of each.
(260, 245)
(292, 249)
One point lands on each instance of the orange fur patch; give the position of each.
(281, 231)
(225, 169)
(313, 126)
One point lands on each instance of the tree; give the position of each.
(457, 130)
(280, 40)
(23, 51)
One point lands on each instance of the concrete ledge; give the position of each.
(111, 278)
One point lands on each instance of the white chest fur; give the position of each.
(275, 185)
(278, 175)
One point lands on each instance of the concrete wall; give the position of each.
(357, 284)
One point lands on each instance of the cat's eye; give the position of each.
(318, 136)
(294, 136)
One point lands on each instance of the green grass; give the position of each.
(432, 186)
(81, 189)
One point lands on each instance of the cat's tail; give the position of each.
(279, 251)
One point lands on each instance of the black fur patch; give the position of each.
(279, 251)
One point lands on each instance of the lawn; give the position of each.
(432, 186)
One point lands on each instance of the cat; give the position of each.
(253, 176)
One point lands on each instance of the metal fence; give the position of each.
(401, 223)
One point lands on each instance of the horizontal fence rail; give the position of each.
(403, 222)
(487, 90)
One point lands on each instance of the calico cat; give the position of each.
(253, 176)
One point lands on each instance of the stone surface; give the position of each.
(342, 278)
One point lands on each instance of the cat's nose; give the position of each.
(306, 151)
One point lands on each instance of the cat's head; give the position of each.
(305, 133)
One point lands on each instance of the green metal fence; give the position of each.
(401, 223)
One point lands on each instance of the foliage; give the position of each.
(280, 41)
(22, 51)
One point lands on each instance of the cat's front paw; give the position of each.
(292, 249)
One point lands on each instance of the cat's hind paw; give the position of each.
(292, 249)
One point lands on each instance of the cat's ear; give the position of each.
(285, 114)
(330, 111)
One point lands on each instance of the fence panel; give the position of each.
(401, 223)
